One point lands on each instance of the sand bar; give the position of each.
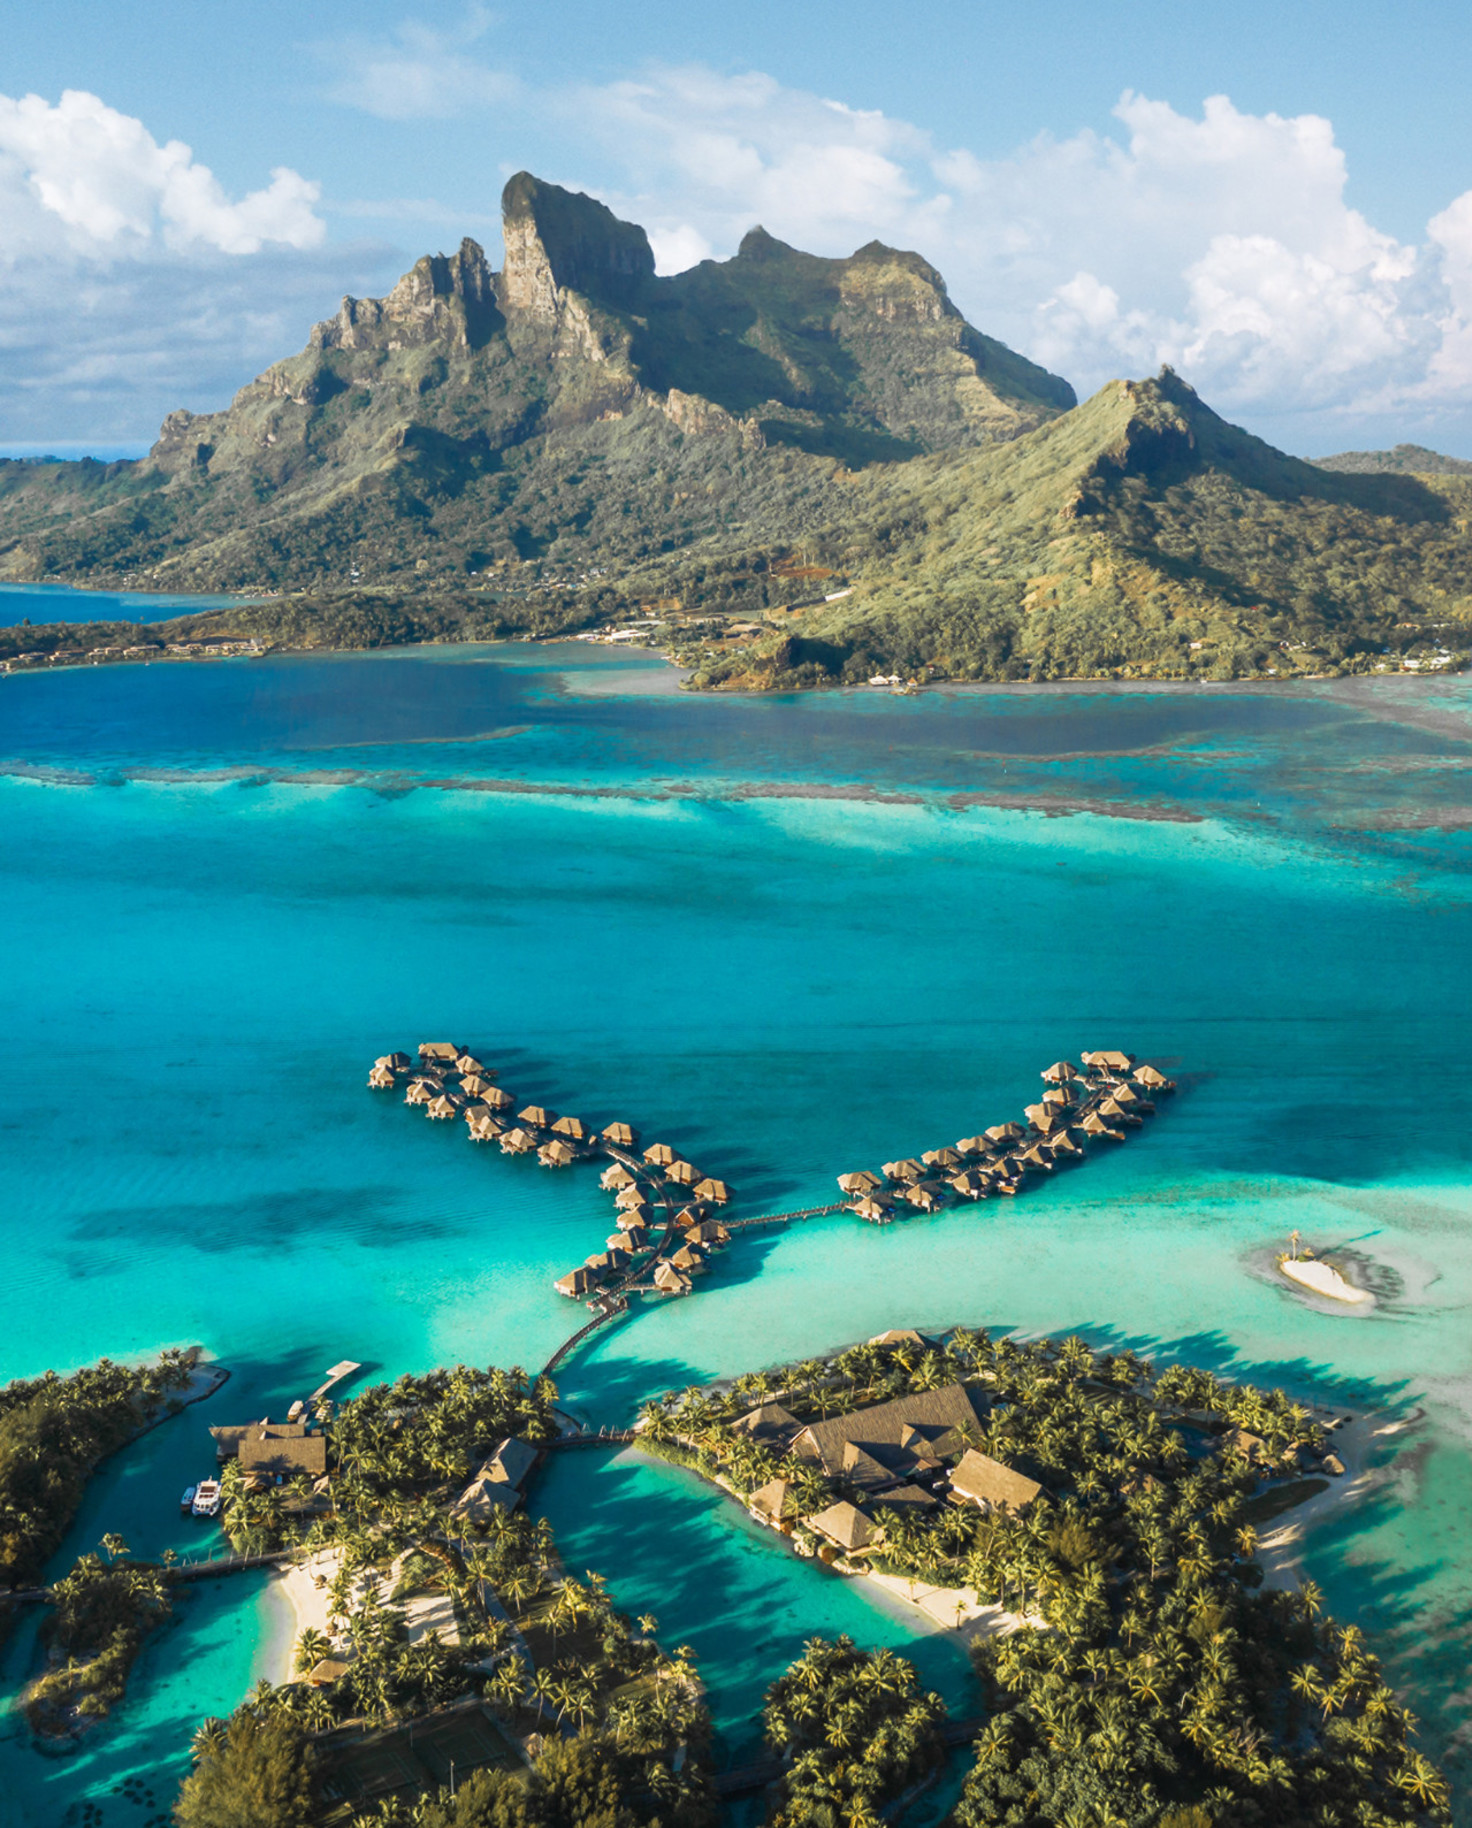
(1323, 1279)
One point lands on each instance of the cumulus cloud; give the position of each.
(80, 177)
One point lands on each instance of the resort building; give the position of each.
(498, 1483)
(990, 1486)
(890, 1443)
(770, 1426)
(847, 1528)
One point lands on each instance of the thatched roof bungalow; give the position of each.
(768, 1424)
(709, 1232)
(922, 1198)
(497, 1484)
(536, 1117)
(717, 1192)
(467, 1063)
(669, 1281)
(969, 1184)
(483, 1126)
(442, 1107)
(1153, 1079)
(848, 1528)
(421, 1091)
(872, 1208)
(1061, 1072)
(1108, 1060)
(925, 1426)
(396, 1063)
(616, 1178)
(381, 1079)
(621, 1135)
(862, 1180)
(556, 1154)
(474, 1084)
(1113, 1109)
(682, 1174)
(1094, 1125)
(906, 1169)
(627, 1198)
(688, 1260)
(635, 1237)
(573, 1128)
(772, 1503)
(1002, 1133)
(577, 1282)
(660, 1155)
(497, 1098)
(973, 1145)
(986, 1483)
(634, 1220)
(941, 1158)
(518, 1141)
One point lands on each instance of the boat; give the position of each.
(186, 1503)
(207, 1498)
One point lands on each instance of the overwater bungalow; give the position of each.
(483, 1126)
(421, 1091)
(713, 1190)
(1000, 1134)
(862, 1180)
(442, 1107)
(396, 1063)
(682, 1174)
(439, 1054)
(973, 1145)
(688, 1261)
(669, 1281)
(632, 1221)
(1094, 1125)
(1153, 1079)
(969, 1184)
(1038, 1156)
(1061, 1143)
(518, 1141)
(688, 1216)
(1061, 1072)
(1115, 1111)
(609, 1261)
(577, 1282)
(467, 1063)
(474, 1084)
(616, 1178)
(870, 1207)
(635, 1237)
(381, 1079)
(573, 1128)
(941, 1158)
(1059, 1099)
(497, 1098)
(557, 1154)
(922, 1197)
(906, 1169)
(536, 1117)
(710, 1233)
(771, 1503)
(630, 1197)
(621, 1135)
(660, 1155)
(1107, 1060)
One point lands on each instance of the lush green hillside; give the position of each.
(821, 450)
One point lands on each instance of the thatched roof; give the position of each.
(712, 1189)
(902, 1336)
(614, 1258)
(1109, 1060)
(396, 1063)
(906, 1500)
(473, 1085)
(688, 1216)
(941, 1158)
(669, 1279)
(768, 1422)
(708, 1231)
(1060, 1100)
(444, 1053)
(771, 1500)
(991, 1485)
(518, 1141)
(576, 1282)
(267, 1452)
(968, 1183)
(556, 1154)
(906, 1169)
(871, 1208)
(687, 1258)
(1095, 1125)
(1111, 1107)
(1153, 1078)
(1063, 1144)
(1038, 1113)
(1060, 1072)
(860, 1181)
(1125, 1095)
(629, 1197)
(926, 1424)
(537, 1116)
(845, 1525)
(467, 1063)
(661, 1154)
(1005, 1133)
(498, 1098)
(631, 1221)
(974, 1145)
(441, 1107)
(923, 1199)
(571, 1127)
(682, 1174)
(422, 1090)
(381, 1079)
(617, 1176)
(621, 1135)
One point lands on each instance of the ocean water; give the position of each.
(792, 936)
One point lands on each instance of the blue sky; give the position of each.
(1277, 199)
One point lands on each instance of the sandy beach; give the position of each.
(957, 1610)
(309, 1602)
(1324, 1279)
(1281, 1546)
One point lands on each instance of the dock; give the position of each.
(335, 1375)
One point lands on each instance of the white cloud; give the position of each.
(419, 72)
(82, 178)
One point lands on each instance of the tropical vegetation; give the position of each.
(100, 1614)
(53, 1432)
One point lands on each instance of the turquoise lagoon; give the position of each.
(792, 935)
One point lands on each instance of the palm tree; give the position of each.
(113, 1546)
(311, 1647)
(208, 1738)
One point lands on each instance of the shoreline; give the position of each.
(1283, 1543)
(1321, 1278)
(299, 1604)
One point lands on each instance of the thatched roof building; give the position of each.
(271, 1452)
(669, 1281)
(518, 1141)
(557, 1154)
(772, 1502)
(906, 1169)
(467, 1063)
(474, 1084)
(1060, 1072)
(709, 1232)
(862, 1180)
(941, 1158)
(381, 1079)
(872, 1209)
(616, 1177)
(769, 1424)
(991, 1486)
(924, 1427)
(627, 1198)
(635, 1237)
(497, 1485)
(922, 1198)
(1153, 1079)
(621, 1135)
(482, 1125)
(660, 1155)
(1108, 1060)
(847, 1528)
(442, 1107)
(688, 1260)
(682, 1174)
(713, 1190)
(1094, 1125)
(498, 1098)
(577, 1282)
(572, 1128)
(1001, 1133)
(974, 1145)
(421, 1091)
(396, 1063)
(969, 1184)
(634, 1220)
(536, 1117)
(1112, 1108)
(441, 1054)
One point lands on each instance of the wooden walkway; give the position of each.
(784, 1218)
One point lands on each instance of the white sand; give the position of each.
(309, 1602)
(1280, 1548)
(958, 1610)
(1323, 1280)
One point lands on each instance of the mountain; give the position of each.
(799, 470)
(1404, 460)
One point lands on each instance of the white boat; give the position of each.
(207, 1498)
(186, 1503)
